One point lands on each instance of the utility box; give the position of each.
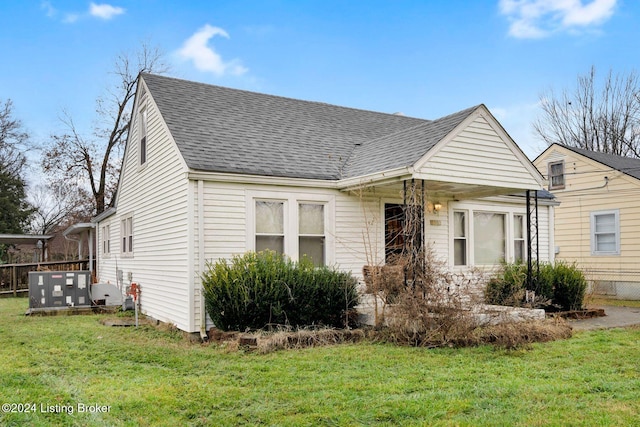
(57, 289)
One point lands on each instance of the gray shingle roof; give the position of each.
(219, 129)
(627, 165)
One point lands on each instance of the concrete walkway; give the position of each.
(616, 317)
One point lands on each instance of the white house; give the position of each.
(210, 172)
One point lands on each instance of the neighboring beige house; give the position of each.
(597, 224)
(211, 172)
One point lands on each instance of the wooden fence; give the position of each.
(14, 278)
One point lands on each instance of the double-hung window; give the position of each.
(297, 225)
(311, 232)
(556, 175)
(605, 232)
(126, 236)
(106, 239)
(518, 238)
(460, 238)
(270, 225)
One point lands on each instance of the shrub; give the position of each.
(507, 287)
(569, 286)
(257, 290)
(559, 285)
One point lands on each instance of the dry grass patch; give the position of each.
(508, 335)
(268, 341)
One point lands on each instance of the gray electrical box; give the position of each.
(54, 289)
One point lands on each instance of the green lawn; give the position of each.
(152, 377)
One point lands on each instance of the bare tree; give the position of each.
(56, 204)
(14, 141)
(94, 161)
(602, 117)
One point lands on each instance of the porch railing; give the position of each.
(14, 278)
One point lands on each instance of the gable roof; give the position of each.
(218, 129)
(627, 165)
(409, 145)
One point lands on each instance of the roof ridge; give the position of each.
(608, 159)
(424, 123)
(321, 103)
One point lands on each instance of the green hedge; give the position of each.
(257, 290)
(561, 283)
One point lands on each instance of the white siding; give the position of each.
(479, 155)
(155, 195)
(358, 236)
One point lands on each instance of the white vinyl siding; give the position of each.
(479, 155)
(156, 198)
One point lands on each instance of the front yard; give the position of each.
(75, 371)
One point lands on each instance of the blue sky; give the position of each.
(422, 58)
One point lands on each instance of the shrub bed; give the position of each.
(257, 290)
(559, 285)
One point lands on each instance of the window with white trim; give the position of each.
(142, 130)
(295, 224)
(106, 239)
(460, 238)
(126, 236)
(489, 238)
(556, 175)
(519, 245)
(270, 225)
(483, 236)
(605, 232)
(311, 232)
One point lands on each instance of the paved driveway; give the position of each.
(616, 317)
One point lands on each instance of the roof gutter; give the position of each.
(260, 179)
(104, 215)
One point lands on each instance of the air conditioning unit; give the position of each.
(57, 289)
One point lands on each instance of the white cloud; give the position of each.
(541, 18)
(204, 57)
(50, 11)
(105, 11)
(100, 11)
(70, 18)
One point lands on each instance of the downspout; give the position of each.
(91, 253)
(201, 260)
